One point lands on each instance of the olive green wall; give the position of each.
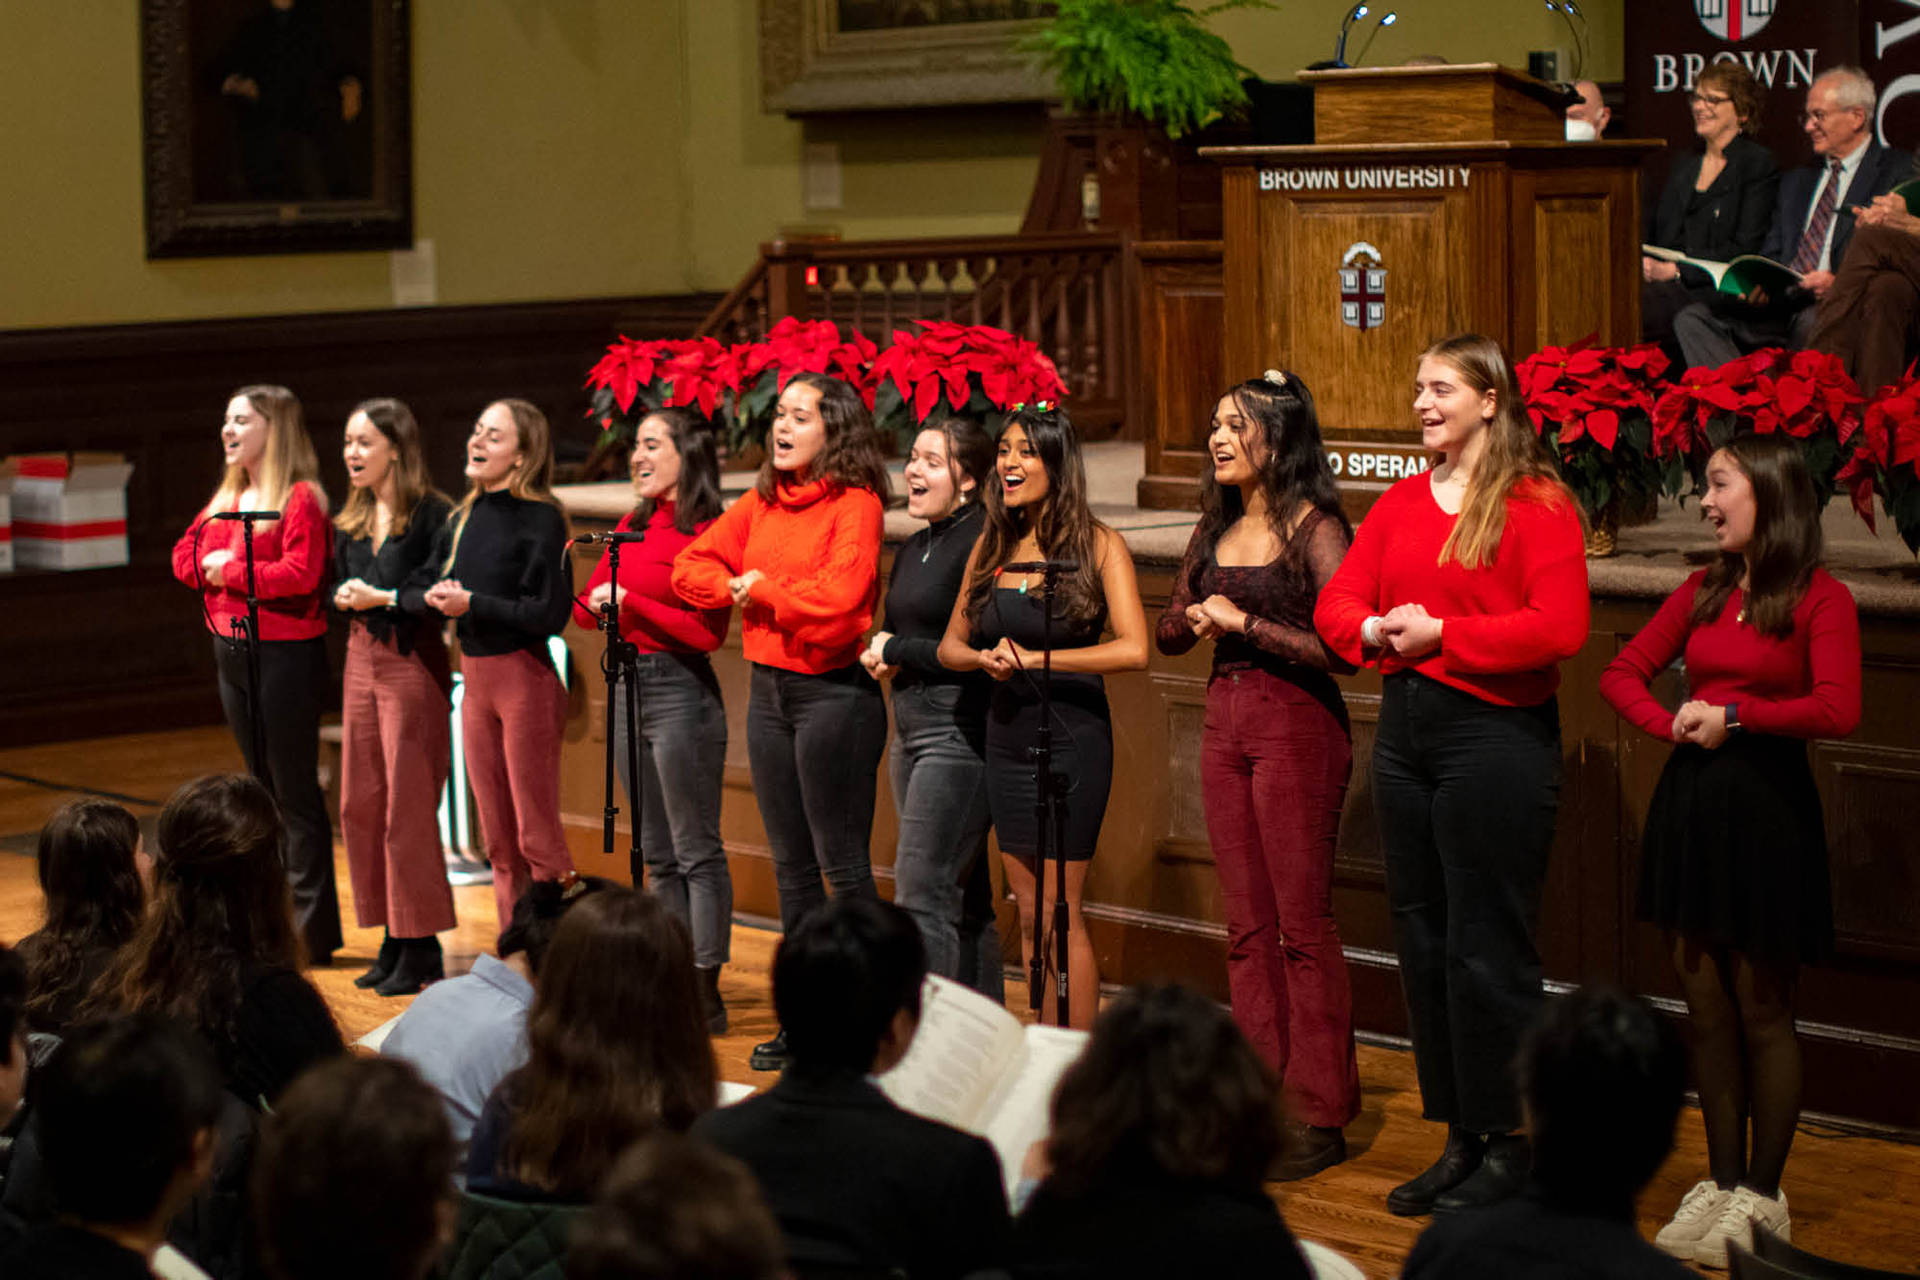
(572, 148)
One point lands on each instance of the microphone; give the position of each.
(1387, 21)
(246, 515)
(1042, 566)
(1340, 46)
(623, 537)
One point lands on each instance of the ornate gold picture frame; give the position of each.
(867, 55)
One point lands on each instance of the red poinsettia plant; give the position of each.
(796, 346)
(1593, 407)
(1887, 461)
(1803, 394)
(634, 379)
(945, 367)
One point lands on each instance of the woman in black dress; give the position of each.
(1038, 512)
(1718, 201)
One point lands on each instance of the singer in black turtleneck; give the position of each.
(937, 763)
(504, 577)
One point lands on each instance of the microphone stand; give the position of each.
(1050, 821)
(619, 663)
(248, 634)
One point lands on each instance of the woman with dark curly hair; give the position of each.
(1037, 512)
(90, 880)
(218, 948)
(616, 1048)
(1162, 1133)
(800, 554)
(1276, 750)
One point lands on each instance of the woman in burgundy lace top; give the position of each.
(1277, 752)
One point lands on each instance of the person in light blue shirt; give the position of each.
(467, 1033)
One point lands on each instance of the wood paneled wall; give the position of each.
(112, 650)
(1154, 902)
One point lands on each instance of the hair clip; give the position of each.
(1039, 406)
(1276, 377)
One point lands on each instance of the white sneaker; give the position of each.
(1699, 1209)
(1743, 1209)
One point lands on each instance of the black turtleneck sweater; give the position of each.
(513, 557)
(927, 573)
(391, 567)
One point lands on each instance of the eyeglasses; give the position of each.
(1701, 98)
(1820, 115)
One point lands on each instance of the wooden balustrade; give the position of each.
(1062, 291)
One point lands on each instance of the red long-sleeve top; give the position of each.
(818, 546)
(1802, 685)
(1506, 626)
(289, 567)
(653, 618)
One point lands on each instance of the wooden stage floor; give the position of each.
(1852, 1197)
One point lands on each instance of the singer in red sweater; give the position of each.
(270, 466)
(682, 721)
(1734, 858)
(800, 555)
(1467, 585)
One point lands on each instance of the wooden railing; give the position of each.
(1060, 290)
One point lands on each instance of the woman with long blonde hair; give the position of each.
(1466, 586)
(270, 466)
(499, 569)
(394, 698)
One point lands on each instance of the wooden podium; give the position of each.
(1436, 200)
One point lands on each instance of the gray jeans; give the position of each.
(683, 751)
(942, 877)
(815, 742)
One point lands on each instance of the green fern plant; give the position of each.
(1153, 58)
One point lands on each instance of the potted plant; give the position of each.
(1888, 459)
(794, 346)
(1593, 408)
(945, 367)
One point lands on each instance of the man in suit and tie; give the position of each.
(858, 1185)
(1812, 224)
(1870, 318)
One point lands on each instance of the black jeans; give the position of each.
(1466, 794)
(683, 756)
(814, 744)
(293, 684)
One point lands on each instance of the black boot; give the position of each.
(710, 1002)
(770, 1055)
(382, 963)
(1456, 1164)
(1308, 1149)
(419, 963)
(1501, 1176)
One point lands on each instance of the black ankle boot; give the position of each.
(1501, 1176)
(770, 1055)
(420, 962)
(382, 963)
(1456, 1164)
(1308, 1149)
(710, 1002)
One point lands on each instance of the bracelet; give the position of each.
(1370, 630)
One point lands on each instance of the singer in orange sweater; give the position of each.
(800, 555)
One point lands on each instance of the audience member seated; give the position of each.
(1718, 201)
(126, 1110)
(616, 1047)
(1162, 1134)
(1587, 119)
(1870, 318)
(466, 1034)
(1601, 1079)
(676, 1209)
(91, 885)
(858, 1185)
(354, 1175)
(218, 948)
(1811, 225)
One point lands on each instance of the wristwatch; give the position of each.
(1733, 717)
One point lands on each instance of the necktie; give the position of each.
(1807, 256)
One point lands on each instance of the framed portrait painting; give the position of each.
(276, 126)
(864, 55)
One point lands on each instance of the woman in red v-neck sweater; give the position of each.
(270, 466)
(1734, 857)
(1467, 586)
(800, 554)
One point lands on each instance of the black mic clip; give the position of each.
(246, 515)
(623, 537)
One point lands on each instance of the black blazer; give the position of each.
(1729, 218)
(1881, 170)
(1526, 1238)
(859, 1185)
(1150, 1227)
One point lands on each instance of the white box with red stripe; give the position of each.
(69, 510)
